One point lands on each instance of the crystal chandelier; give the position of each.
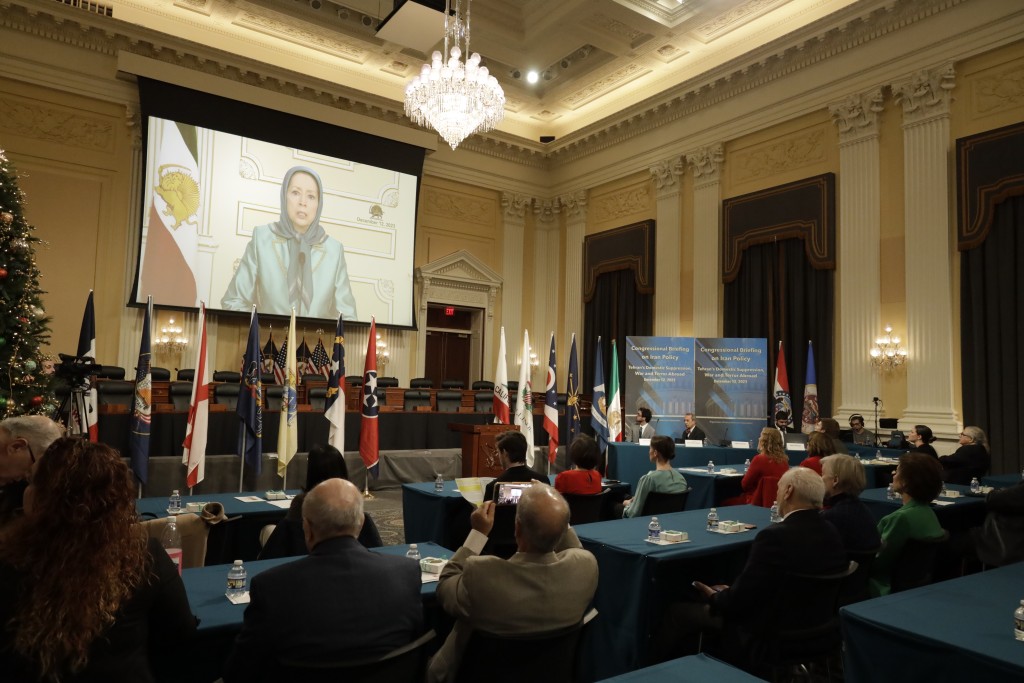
(887, 354)
(455, 98)
(171, 339)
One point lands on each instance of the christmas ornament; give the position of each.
(19, 245)
(3, 273)
(36, 401)
(3, 401)
(7, 217)
(3, 340)
(30, 365)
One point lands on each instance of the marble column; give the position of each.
(925, 97)
(858, 236)
(707, 240)
(667, 176)
(574, 208)
(514, 227)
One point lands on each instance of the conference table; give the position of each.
(1002, 481)
(954, 514)
(693, 669)
(203, 657)
(237, 538)
(627, 462)
(442, 517)
(956, 630)
(638, 580)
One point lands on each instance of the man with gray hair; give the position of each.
(340, 602)
(801, 543)
(22, 440)
(548, 584)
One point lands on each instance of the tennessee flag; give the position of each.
(369, 445)
(194, 457)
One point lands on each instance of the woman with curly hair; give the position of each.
(771, 461)
(82, 590)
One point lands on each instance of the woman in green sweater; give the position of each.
(664, 478)
(918, 480)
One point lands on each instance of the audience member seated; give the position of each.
(918, 480)
(548, 584)
(971, 460)
(802, 543)
(584, 478)
(771, 461)
(288, 539)
(664, 478)
(844, 480)
(861, 436)
(819, 445)
(83, 592)
(22, 440)
(920, 439)
(830, 428)
(341, 601)
(1000, 540)
(512, 453)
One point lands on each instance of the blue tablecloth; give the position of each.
(962, 512)
(220, 620)
(694, 669)
(710, 489)
(238, 539)
(638, 579)
(958, 630)
(1001, 481)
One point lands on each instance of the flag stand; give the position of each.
(366, 488)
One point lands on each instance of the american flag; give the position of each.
(302, 358)
(319, 361)
(280, 359)
(269, 356)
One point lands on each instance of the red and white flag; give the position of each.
(194, 457)
(551, 405)
(501, 411)
(369, 445)
(783, 402)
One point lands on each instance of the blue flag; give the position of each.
(138, 440)
(598, 411)
(572, 399)
(334, 405)
(250, 401)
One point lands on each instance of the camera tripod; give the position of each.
(74, 403)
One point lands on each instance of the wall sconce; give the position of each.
(171, 338)
(887, 354)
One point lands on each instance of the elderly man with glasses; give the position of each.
(22, 440)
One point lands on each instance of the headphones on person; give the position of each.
(857, 416)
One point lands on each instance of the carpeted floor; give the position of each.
(386, 510)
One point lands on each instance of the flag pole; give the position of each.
(366, 487)
(140, 490)
(241, 466)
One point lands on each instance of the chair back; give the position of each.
(160, 374)
(913, 567)
(550, 656)
(663, 503)
(267, 378)
(314, 378)
(186, 375)
(453, 384)
(421, 383)
(765, 493)
(387, 382)
(482, 385)
(194, 530)
(317, 397)
(855, 588)
(416, 398)
(502, 539)
(448, 401)
(227, 394)
(587, 508)
(109, 372)
(275, 391)
(356, 380)
(116, 392)
(406, 663)
(483, 402)
(181, 394)
(513, 387)
(227, 376)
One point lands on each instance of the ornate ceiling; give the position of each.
(596, 58)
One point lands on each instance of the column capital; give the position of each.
(546, 210)
(574, 204)
(515, 204)
(667, 173)
(925, 94)
(707, 163)
(857, 115)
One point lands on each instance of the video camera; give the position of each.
(75, 370)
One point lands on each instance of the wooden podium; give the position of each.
(479, 454)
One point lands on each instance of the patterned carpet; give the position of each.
(386, 510)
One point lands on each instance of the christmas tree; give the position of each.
(25, 372)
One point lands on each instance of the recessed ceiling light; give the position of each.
(532, 77)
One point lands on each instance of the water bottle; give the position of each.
(413, 553)
(654, 530)
(174, 503)
(236, 580)
(171, 541)
(775, 513)
(858, 457)
(711, 466)
(712, 519)
(890, 493)
(975, 485)
(439, 483)
(1018, 622)
(746, 463)
(878, 454)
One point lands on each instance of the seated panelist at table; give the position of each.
(511, 447)
(859, 435)
(692, 431)
(770, 461)
(642, 428)
(971, 459)
(342, 601)
(583, 478)
(920, 439)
